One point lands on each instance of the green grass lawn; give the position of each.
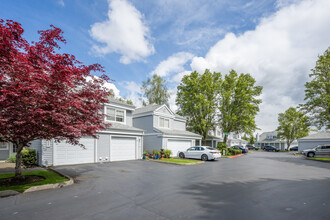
(175, 160)
(50, 178)
(319, 158)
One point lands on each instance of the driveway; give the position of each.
(260, 185)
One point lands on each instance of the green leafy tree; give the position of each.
(238, 103)
(317, 92)
(293, 124)
(155, 90)
(196, 99)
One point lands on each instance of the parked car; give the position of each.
(251, 147)
(294, 148)
(200, 152)
(242, 148)
(320, 150)
(270, 148)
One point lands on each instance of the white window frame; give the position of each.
(116, 110)
(6, 144)
(165, 119)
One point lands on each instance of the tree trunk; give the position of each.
(18, 169)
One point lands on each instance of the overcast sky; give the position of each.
(277, 42)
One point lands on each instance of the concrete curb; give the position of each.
(51, 186)
(182, 164)
(7, 193)
(236, 156)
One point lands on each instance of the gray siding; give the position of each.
(36, 145)
(103, 148)
(308, 144)
(152, 142)
(129, 118)
(145, 123)
(178, 125)
(46, 158)
(4, 154)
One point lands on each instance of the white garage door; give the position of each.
(178, 145)
(65, 154)
(123, 148)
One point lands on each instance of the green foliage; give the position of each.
(197, 99)
(222, 146)
(130, 102)
(167, 153)
(238, 104)
(317, 92)
(155, 90)
(145, 153)
(11, 159)
(232, 152)
(293, 124)
(29, 157)
(156, 152)
(50, 178)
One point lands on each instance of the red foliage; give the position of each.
(44, 94)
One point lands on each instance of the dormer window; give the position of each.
(115, 114)
(164, 123)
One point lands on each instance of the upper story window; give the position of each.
(164, 122)
(115, 114)
(3, 146)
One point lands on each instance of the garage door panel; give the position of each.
(65, 153)
(123, 148)
(178, 145)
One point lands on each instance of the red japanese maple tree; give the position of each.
(45, 94)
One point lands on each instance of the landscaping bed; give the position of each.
(323, 159)
(31, 178)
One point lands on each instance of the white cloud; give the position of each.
(173, 64)
(61, 3)
(134, 91)
(178, 77)
(279, 53)
(124, 32)
(107, 85)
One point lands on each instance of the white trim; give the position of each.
(184, 137)
(7, 146)
(120, 122)
(152, 134)
(54, 145)
(114, 132)
(172, 113)
(95, 150)
(110, 154)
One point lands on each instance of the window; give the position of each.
(3, 146)
(164, 122)
(115, 114)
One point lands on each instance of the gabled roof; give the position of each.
(119, 126)
(145, 109)
(318, 135)
(177, 132)
(118, 102)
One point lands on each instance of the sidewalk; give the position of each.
(10, 168)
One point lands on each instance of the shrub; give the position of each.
(145, 153)
(11, 159)
(29, 157)
(156, 152)
(232, 151)
(168, 153)
(221, 146)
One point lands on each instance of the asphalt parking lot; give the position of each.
(260, 185)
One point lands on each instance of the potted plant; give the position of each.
(162, 153)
